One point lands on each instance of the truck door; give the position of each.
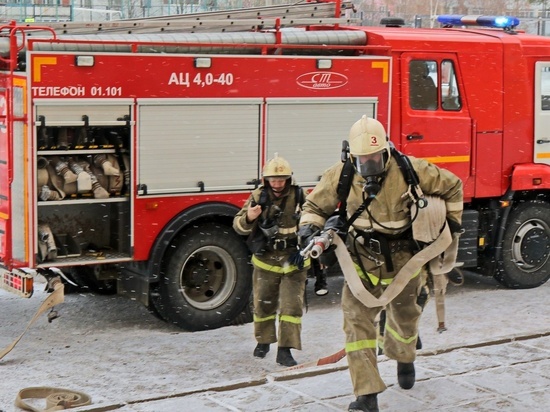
(435, 123)
(542, 113)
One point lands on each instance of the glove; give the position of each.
(297, 260)
(306, 234)
(328, 258)
(335, 223)
(455, 227)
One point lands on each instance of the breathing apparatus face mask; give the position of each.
(372, 168)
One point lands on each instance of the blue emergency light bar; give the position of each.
(502, 22)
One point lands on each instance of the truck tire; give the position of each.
(208, 281)
(526, 247)
(247, 315)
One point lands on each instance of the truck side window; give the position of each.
(422, 87)
(450, 98)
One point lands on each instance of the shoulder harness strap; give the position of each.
(348, 171)
(410, 176)
(299, 195)
(344, 184)
(345, 181)
(405, 166)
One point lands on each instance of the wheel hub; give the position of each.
(207, 279)
(198, 275)
(531, 246)
(534, 247)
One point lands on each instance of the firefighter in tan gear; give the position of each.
(270, 217)
(380, 243)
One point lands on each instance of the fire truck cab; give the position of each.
(483, 115)
(126, 149)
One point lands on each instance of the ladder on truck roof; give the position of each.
(247, 19)
(175, 34)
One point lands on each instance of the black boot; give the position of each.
(418, 343)
(366, 403)
(261, 350)
(321, 288)
(284, 357)
(381, 330)
(405, 375)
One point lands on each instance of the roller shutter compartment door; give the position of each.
(194, 147)
(309, 133)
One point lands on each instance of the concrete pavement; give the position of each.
(494, 357)
(510, 374)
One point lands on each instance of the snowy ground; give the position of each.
(114, 350)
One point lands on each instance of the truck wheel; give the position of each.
(208, 279)
(247, 315)
(526, 247)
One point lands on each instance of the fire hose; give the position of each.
(327, 360)
(56, 398)
(56, 297)
(329, 237)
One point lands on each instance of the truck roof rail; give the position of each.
(255, 18)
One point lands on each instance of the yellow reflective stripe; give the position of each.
(290, 319)
(287, 230)
(278, 269)
(416, 273)
(360, 345)
(366, 276)
(399, 338)
(374, 279)
(258, 319)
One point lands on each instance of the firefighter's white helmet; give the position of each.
(277, 167)
(367, 135)
(369, 146)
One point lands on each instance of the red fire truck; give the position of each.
(127, 147)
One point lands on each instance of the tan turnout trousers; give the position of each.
(281, 291)
(401, 332)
